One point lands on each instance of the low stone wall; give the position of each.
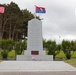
(34, 58)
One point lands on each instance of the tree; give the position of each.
(67, 48)
(14, 17)
(58, 49)
(20, 46)
(52, 48)
(14, 22)
(73, 46)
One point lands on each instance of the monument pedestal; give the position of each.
(35, 43)
(35, 57)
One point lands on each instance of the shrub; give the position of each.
(6, 45)
(4, 54)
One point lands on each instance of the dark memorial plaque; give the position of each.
(34, 52)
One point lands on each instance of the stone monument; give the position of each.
(35, 43)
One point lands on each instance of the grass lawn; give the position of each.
(62, 55)
(71, 62)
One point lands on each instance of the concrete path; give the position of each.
(36, 68)
(38, 73)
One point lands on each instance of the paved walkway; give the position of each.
(36, 68)
(38, 73)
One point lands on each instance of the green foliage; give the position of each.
(11, 54)
(58, 49)
(66, 47)
(51, 47)
(60, 55)
(14, 22)
(20, 46)
(73, 54)
(6, 46)
(73, 45)
(4, 54)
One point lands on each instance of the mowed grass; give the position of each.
(71, 62)
(62, 55)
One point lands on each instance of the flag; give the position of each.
(40, 9)
(2, 9)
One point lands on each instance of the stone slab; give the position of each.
(35, 66)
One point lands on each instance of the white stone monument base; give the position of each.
(34, 58)
(29, 57)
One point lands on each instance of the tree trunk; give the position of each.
(3, 28)
(13, 33)
(16, 37)
(54, 57)
(10, 30)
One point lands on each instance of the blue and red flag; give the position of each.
(40, 9)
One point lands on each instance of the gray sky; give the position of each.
(59, 20)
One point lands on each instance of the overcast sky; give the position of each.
(59, 20)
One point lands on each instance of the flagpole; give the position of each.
(35, 12)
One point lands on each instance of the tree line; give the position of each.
(68, 47)
(14, 22)
(51, 47)
(7, 45)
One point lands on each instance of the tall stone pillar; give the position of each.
(35, 39)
